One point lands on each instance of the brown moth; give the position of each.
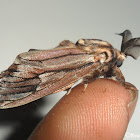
(37, 73)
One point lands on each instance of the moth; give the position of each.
(37, 73)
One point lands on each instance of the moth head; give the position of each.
(120, 58)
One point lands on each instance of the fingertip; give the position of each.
(101, 112)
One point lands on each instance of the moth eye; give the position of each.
(119, 63)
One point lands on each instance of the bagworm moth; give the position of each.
(37, 73)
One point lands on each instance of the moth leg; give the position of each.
(90, 77)
(118, 76)
(68, 90)
(85, 87)
(133, 90)
(131, 86)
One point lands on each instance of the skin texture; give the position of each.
(102, 111)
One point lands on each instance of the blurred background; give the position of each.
(42, 24)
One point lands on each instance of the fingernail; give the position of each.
(133, 99)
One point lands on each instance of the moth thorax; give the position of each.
(103, 57)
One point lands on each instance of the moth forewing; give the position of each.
(37, 73)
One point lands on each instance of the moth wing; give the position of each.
(132, 48)
(30, 77)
